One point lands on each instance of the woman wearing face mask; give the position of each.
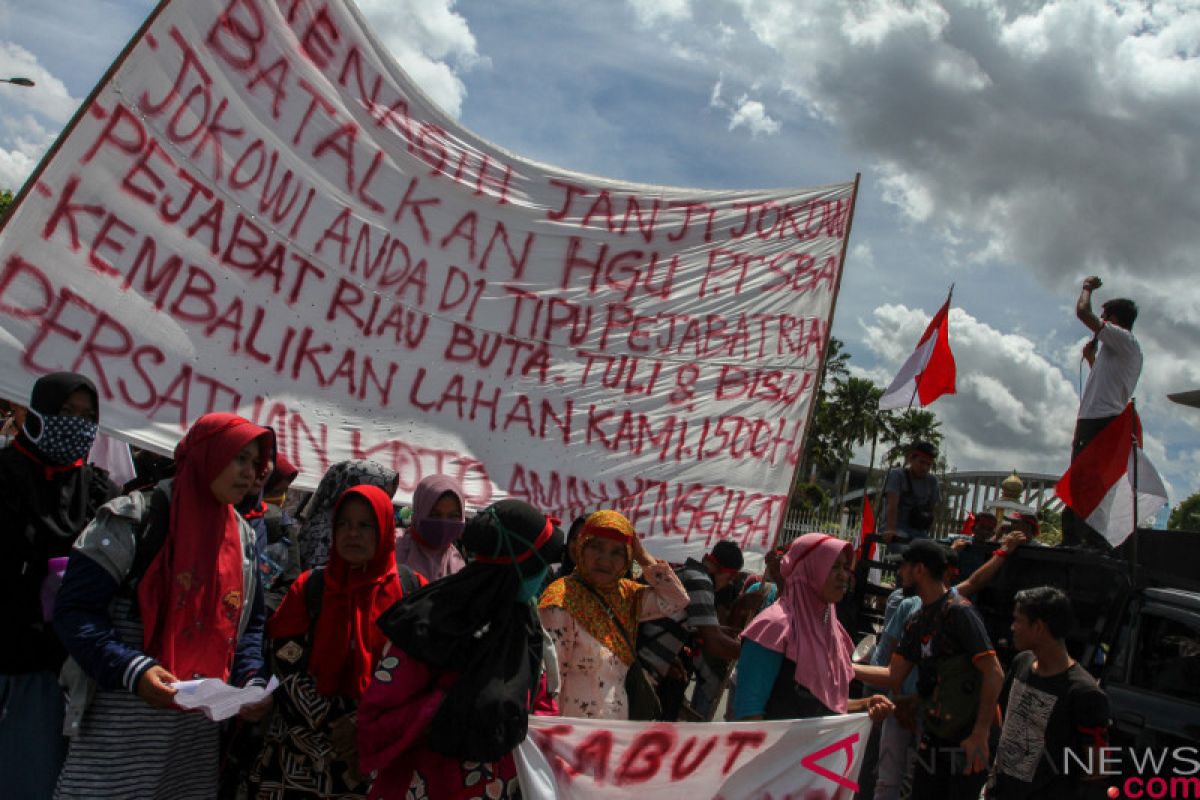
(159, 590)
(592, 615)
(452, 695)
(49, 495)
(437, 523)
(316, 520)
(796, 656)
(324, 650)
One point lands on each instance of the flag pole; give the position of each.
(824, 349)
(862, 507)
(949, 297)
(1133, 537)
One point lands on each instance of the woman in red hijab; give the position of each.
(163, 586)
(324, 643)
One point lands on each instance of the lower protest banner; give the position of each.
(580, 759)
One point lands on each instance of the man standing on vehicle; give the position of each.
(958, 680)
(1115, 359)
(911, 495)
(1052, 705)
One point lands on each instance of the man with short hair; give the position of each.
(958, 680)
(897, 741)
(1051, 706)
(661, 641)
(911, 495)
(1115, 359)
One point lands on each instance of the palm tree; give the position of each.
(821, 448)
(909, 426)
(856, 418)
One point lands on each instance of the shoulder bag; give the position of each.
(644, 704)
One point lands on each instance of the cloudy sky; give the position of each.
(1010, 148)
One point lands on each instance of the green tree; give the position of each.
(854, 408)
(908, 426)
(834, 368)
(6, 198)
(820, 447)
(1186, 515)
(809, 497)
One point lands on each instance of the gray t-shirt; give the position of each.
(913, 492)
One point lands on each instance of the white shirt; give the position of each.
(1113, 376)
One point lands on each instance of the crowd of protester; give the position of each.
(409, 657)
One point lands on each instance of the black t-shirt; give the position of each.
(944, 640)
(911, 493)
(1043, 717)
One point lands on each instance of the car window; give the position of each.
(1167, 660)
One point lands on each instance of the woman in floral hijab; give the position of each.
(593, 655)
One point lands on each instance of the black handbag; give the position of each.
(644, 705)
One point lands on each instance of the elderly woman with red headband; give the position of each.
(795, 660)
(592, 615)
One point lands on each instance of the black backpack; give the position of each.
(149, 536)
(314, 590)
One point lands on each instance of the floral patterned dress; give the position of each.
(593, 674)
(297, 758)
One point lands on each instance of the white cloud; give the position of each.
(863, 256)
(752, 115)
(48, 98)
(32, 115)
(431, 41)
(653, 12)
(714, 99)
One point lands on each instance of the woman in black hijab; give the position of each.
(48, 494)
(452, 694)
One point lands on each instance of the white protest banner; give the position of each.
(580, 759)
(258, 212)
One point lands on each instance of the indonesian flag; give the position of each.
(929, 371)
(866, 552)
(1099, 487)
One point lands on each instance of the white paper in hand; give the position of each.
(217, 699)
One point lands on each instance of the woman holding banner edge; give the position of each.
(796, 656)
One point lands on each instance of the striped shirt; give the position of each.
(660, 640)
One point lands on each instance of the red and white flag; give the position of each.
(866, 551)
(1099, 485)
(929, 371)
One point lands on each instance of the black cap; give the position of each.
(929, 553)
(922, 447)
(514, 532)
(728, 554)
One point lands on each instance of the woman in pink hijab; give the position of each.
(795, 661)
(437, 523)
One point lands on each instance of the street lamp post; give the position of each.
(17, 81)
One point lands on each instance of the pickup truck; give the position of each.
(1138, 630)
